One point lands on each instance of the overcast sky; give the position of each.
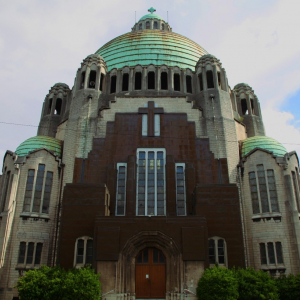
(43, 42)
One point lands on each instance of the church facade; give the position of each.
(151, 168)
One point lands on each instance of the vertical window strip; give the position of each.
(22, 252)
(38, 188)
(263, 189)
(80, 251)
(272, 191)
(30, 251)
(271, 253)
(254, 193)
(151, 184)
(47, 192)
(121, 189)
(279, 255)
(211, 251)
(263, 253)
(200, 81)
(160, 187)
(296, 190)
(180, 189)
(28, 191)
(142, 190)
(89, 252)
(38, 253)
(221, 252)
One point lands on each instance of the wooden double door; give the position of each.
(150, 275)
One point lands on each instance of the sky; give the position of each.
(44, 42)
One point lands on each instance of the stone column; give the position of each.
(157, 78)
(215, 73)
(224, 85)
(53, 104)
(87, 75)
(130, 86)
(204, 80)
(249, 104)
(144, 78)
(98, 78)
(171, 79)
(119, 81)
(78, 79)
(183, 81)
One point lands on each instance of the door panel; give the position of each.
(150, 274)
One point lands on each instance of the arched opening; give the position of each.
(252, 106)
(162, 26)
(155, 26)
(113, 84)
(138, 81)
(92, 80)
(147, 25)
(210, 79)
(151, 81)
(200, 81)
(244, 107)
(82, 80)
(164, 80)
(219, 79)
(125, 82)
(176, 82)
(189, 84)
(101, 82)
(140, 26)
(150, 274)
(58, 106)
(49, 106)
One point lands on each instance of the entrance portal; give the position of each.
(150, 274)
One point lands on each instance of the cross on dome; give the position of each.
(152, 10)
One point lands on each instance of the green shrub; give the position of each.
(288, 287)
(218, 283)
(256, 285)
(57, 284)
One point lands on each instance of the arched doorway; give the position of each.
(150, 274)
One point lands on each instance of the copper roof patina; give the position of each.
(147, 47)
(38, 142)
(263, 142)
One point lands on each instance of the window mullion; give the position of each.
(33, 191)
(268, 192)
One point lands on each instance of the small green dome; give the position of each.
(147, 47)
(263, 142)
(37, 142)
(151, 16)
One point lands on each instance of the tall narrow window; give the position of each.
(217, 251)
(150, 182)
(38, 188)
(279, 253)
(92, 79)
(252, 106)
(38, 253)
(151, 80)
(82, 80)
(180, 189)
(271, 253)
(263, 254)
(244, 107)
(176, 82)
(22, 252)
(155, 26)
(47, 192)
(272, 191)
(49, 106)
(210, 80)
(80, 251)
(58, 106)
(200, 81)
(121, 189)
(30, 251)
(140, 26)
(89, 252)
(262, 188)
(254, 193)
(147, 25)
(28, 191)
(162, 26)
(101, 82)
(164, 80)
(219, 79)
(6, 189)
(113, 84)
(125, 82)
(138, 81)
(296, 191)
(189, 84)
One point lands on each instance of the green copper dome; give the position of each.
(147, 47)
(265, 143)
(37, 142)
(151, 16)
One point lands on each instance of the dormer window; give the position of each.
(147, 25)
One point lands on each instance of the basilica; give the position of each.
(151, 168)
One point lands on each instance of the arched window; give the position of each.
(164, 80)
(125, 82)
(83, 251)
(189, 84)
(92, 79)
(147, 25)
(113, 84)
(155, 26)
(138, 81)
(217, 251)
(151, 80)
(140, 26)
(210, 80)
(244, 107)
(58, 106)
(176, 82)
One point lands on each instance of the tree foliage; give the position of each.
(218, 283)
(58, 284)
(288, 287)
